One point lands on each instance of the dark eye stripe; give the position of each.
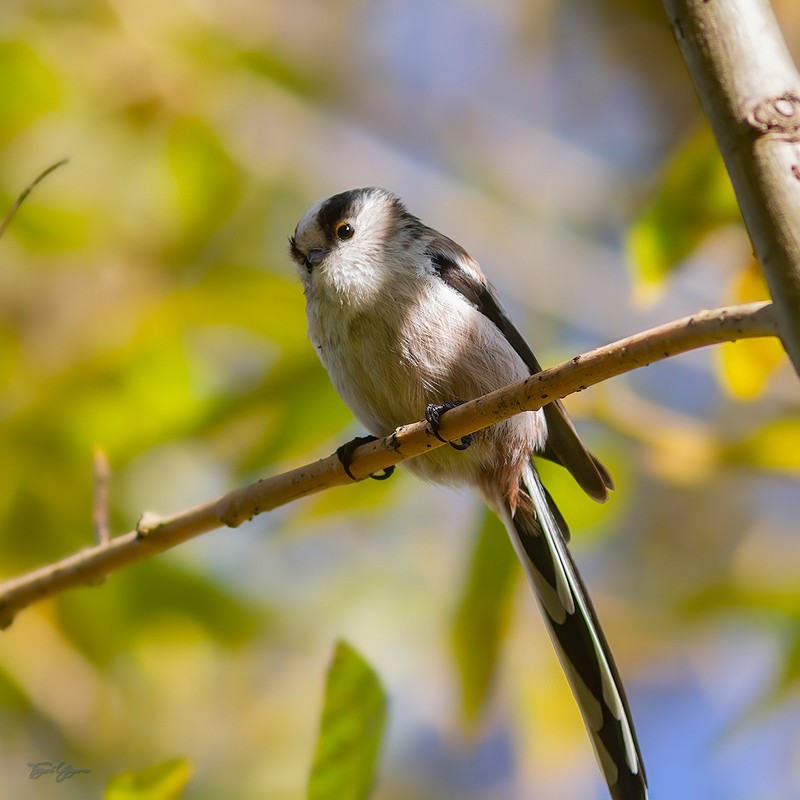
(296, 253)
(339, 207)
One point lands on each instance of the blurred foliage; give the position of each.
(747, 366)
(351, 730)
(225, 617)
(160, 782)
(28, 88)
(774, 446)
(147, 306)
(482, 616)
(694, 198)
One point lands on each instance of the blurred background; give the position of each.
(148, 306)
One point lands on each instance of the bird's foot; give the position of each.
(433, 414)
(345, 455)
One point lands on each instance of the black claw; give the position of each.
(383, 475)
(433, 414)
(465, 442)
(345, 455)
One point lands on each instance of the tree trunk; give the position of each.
(749, 88)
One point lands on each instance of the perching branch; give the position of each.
(154, 535)
(750, 91)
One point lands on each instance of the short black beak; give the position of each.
(315, 255)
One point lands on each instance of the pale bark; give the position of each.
(749, 88)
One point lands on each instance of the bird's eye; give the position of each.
(344, 230)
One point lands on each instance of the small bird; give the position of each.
(407, 325)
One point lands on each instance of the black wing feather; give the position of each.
(459, 271)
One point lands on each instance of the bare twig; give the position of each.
(100, 507)
(156, 535)
(750, 91)
(21, 199)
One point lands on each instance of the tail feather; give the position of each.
(579, 641)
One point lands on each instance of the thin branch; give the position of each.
(154, 535)
(21, 199)
(750, 91)
(100, 506)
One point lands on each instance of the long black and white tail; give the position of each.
(578, 639)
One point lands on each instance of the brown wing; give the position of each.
(461, 272)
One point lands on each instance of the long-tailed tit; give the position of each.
(404, 320)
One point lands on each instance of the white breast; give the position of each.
(388, 360)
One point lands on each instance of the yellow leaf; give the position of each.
(776, 446)
(746, 366)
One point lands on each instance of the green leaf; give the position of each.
(160, 782)
(100, 628)
(353, 721)
(50, 229)
(205, 179)
(750, 595)
(28, 88)
(483, 613)
(588, 520)
(694, 198)
(789, 677)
